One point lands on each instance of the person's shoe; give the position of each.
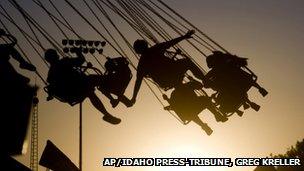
(255, 106)
(111, 119)
(127, 103)
(114, 103)
(263, 92)
(224, 119)
(246, 106)
(240, 113)
(207, 129)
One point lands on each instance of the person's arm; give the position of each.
(139, 78)
(170, 43)
(79, 60)
(22, 63)
(138, 82)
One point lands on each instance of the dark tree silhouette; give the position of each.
(296, 151)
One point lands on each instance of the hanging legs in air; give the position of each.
(114, 102)
(203, 125)
(217, 114)
(262, 91)
(122, 98)
(186, 64)
(99, 106)
(251, 104)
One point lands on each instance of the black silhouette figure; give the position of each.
(164, 71)
(9, 163)
(16, 97)
(231, 82)
(188, 105)
(115, 80)
(7, 70)
(68, 83)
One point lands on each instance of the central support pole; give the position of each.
(80, 136)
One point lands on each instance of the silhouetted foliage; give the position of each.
(296, 151)
(265, 168)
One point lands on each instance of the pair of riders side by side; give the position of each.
(66, 80)
(166, 72)
(225, 68)
(229, 78)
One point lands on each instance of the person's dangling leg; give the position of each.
(99, 81)
(253, 105)
(219, 117)
(127, 102)
(99, 106)
(189, 65)
(114, 102)
(262, 91)
(203, 125)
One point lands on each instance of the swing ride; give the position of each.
(153, 22)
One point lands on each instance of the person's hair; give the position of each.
(140, 45)
(51, 55)
(213, 59)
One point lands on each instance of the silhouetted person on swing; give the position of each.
(188, 105)
(230, 81)
(164, 71)
(16, 96)
(115, 80)
(224, 68)
(66, 80)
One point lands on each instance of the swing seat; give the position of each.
(71, 98)
(71, 90)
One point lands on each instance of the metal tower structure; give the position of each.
(34, 136)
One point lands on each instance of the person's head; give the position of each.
(212, 60)
(51, 56)
(140, 46)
